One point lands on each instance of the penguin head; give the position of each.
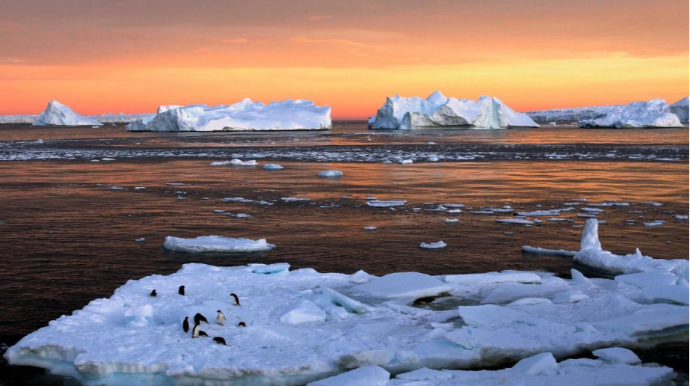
(219, 312)
(242, 324)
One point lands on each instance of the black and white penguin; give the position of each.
(185, 324)
(201, 333)
(154, 293)
(220, 319)
(195, 331)
(219, 340)
(237, 300)
(242, 324)
(198, 318)
(181, 290)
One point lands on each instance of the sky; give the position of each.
(101, 56)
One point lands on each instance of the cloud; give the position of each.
(319, 17)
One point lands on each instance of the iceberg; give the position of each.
(242, 116)
(680, 108)
(57, 114)
(438, 111)
(216, 244)
(654, 113)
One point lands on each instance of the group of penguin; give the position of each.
(198, 318)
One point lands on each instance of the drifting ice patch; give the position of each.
(246, 115)
(436, 245)
(511, 220)
(235, 162)
(273, 167)
(57, 114)
(437, 110)
(330, 174)
(216, 244)
(385, 204)
(544, 251)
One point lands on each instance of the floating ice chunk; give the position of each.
(216, 244)
(295, 199)
(370, 228)
(237, 199)
(653, 203)
(303, 312)
(330, 174)
(513, 221)
(385, 204)
(474, 279)
(403, 285)
(273, 167)
(452, 221)
(454, 211)
(556, 219)
(454, 205)
(617, 355)
(592, 210)
(437, 110)
(235, 162)
(406, 162)
(363, 376)
(681, 217)
(246, 115)
(57, 114)
(545, 251)
(540, 213)
(654, 113)
(140, 240)
(436, 245)
(539, 364)
(655, 223)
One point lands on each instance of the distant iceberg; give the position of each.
(437, 111)
(655, 113)
(57, 114)
(680, 108)
(246, 115)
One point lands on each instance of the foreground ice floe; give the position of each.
(216, 244)
(245, 115)
(654, 113)
(437, 110)
(57, 114)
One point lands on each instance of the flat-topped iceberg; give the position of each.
(680, 108)
(242, 116)
(57, 114)
(438, 111)
(654, 113)
(216, 244)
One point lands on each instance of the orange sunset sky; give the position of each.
(101, 56)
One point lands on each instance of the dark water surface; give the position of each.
(68, 237)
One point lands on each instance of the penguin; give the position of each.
(154, 294)
(181, 290)
(185, 324)
(220, 319)
(195, 331)
(201, 333)
(242, 324)
(198, 318)
(237, 300)
(219, 340)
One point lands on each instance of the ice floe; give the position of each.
(216, 244)
(330, 174)
(385, 204)
(436, 245)
(235, 162)
(654, 113)
(437, 110)
(57, 114)
(245, 115)
(521, 221)
(273, 167)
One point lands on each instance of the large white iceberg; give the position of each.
(654, 113)
(437, 111)
(245, 115)
(680, 108)
(217, 244)
(57, 114)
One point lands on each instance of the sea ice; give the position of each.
(216, 244)
(363, 376)
(57, 114)
(235, 162)
(436, 245)
(273, 167)
(385, 204)
(330, 174)
(654, 113)
(680, 108)
(544, 251)
(246, 115)
(403, 285)
(513, 221)
(437, 110)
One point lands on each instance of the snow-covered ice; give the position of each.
(216, 244)
(273, 167)
(57, 114)
(654, 113)
(245, 115)
(330, 174)
(437, 110)
(544, 251)
(385, 204)
(235, 162)
(521, 221)
(436, 245)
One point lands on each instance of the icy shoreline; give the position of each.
(331, 323)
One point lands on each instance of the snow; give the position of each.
(617, 355)
(493, 277)
(438, 111)
(680, 108)
(385, 204)
(245, 115)
(363, 376)
(403, 285)
(57, 114)
(273, 167)
(304, 312)
(654, 113)
(216, 244)
(330, 174)
(539, 364)
(436, 245)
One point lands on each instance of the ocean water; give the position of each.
(69, 224)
